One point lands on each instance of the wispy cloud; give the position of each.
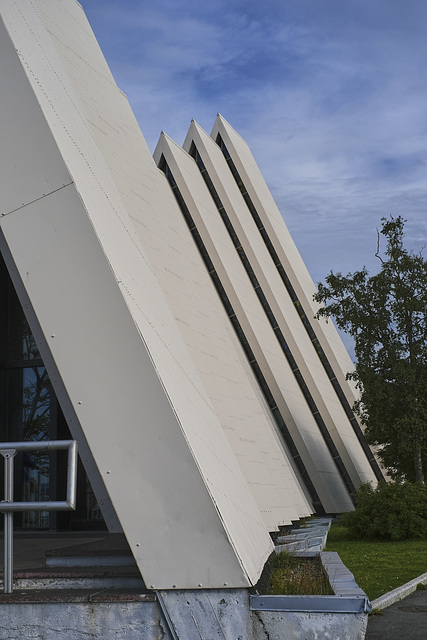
(331, 97)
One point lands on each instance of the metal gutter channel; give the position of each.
(311, 604)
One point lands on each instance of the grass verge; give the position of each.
(378, 565)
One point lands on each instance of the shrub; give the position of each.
(395, 511)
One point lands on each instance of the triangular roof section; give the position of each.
(82, 183)
(220, 359)
(359, 459)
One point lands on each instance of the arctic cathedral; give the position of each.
(156, 310)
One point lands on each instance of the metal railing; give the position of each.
(9, 450)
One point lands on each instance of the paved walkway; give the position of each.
(404, 620)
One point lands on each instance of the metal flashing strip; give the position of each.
(311, 604)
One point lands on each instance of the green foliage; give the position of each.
(394, 511)
(387, 316)
(293, 575)
(378, 565)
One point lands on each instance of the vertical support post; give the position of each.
(8, 455)
(72, 475)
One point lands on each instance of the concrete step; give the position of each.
(111, 551)
(78, 578)
(74, 563)
(77, 596)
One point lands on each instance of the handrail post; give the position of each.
(8, 450)
(8, 455)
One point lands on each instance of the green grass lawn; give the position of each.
(378, 565)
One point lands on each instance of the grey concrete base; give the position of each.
(398, 594)
(312, 626)
(46, 607)
(222, 614)
(82, 621)
(192, 615)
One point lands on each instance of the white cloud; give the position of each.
(331, 97)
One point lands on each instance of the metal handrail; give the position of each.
(9, 450)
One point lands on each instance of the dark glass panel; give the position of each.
(21, 344)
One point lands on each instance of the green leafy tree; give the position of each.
(387, 316)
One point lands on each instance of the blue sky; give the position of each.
(331, 96)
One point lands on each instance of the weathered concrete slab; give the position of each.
(341, 579)
(291, 547)
(217, 614)
(82, 621)
(309, 626)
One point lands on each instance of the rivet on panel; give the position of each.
(200, 584)
(80, 402)
(108, 473)
(174, 586)
(138, 544)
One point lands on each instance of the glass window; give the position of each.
(29, 410)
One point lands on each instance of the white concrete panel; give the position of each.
(218, 357)
(300, 344)
(232, 200)
(25, 126)
(26, 176)
(105, 182)
(118, 399)
(288, 252)
(246, 305)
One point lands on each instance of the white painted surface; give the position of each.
(285, 246)
(144, 411)
(219, 358)
(276, 368)
(334, 417)
(175, 435)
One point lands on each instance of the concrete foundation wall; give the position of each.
(82, 621)
(278, 625)
(212, 614)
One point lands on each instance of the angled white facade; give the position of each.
(204, 407)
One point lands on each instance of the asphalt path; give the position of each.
(404, 620)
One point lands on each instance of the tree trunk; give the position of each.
(419, 475)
